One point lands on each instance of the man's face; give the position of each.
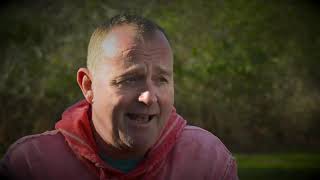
(133, 90)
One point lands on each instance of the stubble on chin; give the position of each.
(121, 136)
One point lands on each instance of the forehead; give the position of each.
(124, 42)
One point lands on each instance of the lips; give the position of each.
(140, 118)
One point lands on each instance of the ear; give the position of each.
(84, 80)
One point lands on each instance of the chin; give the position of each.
(139, 145)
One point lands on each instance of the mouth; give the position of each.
(141, 118)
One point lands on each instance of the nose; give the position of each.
(147, 98)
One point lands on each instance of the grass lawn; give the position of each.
(278, 166)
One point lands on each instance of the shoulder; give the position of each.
(196, 146)
(42, 156)
(33, 147)
(22, 155)
(202, 139)
(35, 137)
(36, 141)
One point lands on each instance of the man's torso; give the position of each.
(197, 154)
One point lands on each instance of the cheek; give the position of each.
(166, 101)
(169, 96)
(172, 95)
(104, 100)
(100, 90)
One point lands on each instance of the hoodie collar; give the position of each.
(75, 127)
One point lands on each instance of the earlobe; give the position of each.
(84, 80)
(89, 96)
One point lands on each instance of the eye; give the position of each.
(163, 80)
(130, 81)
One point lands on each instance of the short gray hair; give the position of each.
(144, 26)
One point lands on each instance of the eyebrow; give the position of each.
(139, 69)
(135, 51)
(164, 71)
(134, 69)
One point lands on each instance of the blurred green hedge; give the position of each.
(248, 71)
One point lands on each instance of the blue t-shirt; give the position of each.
(124, 165)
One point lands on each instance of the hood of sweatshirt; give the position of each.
(76, 127)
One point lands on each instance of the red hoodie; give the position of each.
(70, 152)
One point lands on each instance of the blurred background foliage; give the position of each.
(248, 71)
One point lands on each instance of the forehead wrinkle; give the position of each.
(111, 46)
(131, 55)
(134, 69)
(138, 51)
(133, 51)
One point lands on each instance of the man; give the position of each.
(127, 127)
